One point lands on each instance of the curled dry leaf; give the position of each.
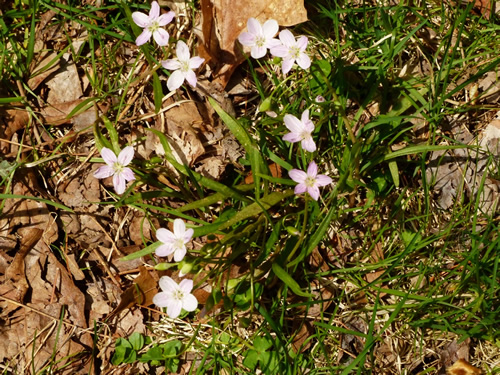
(462, 367)
(224, 20)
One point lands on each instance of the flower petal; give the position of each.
(165, 236)
(297, 175)
(312, 169)
(299, 189)
(127, 174)
(286, 65)
(182, 51)
(279, 50)
(313, 192)
(168, 285)
(254, 26)
(161, 299)
(304, 61)
(270, 28)
(171, 64)
(179, 228)
(247, 39)
(175, 80)
(287, 38)
(305, 116)
(186, 285)
(108, 156)
(143, 38)
(323, 180)
(164, 250)
(161, 37)
(188, 234)
(302, 43)
(189, 303)
(104, 171)
(119, 183)
(292, 137)
(126, 155)
(154, 12)
(293, 124)
(271, 43)
(195, 62)
(191, 78)
(308, 144)
(166, 18)
(140, 19)
(179, 254)
(258, 52)
(174, 308)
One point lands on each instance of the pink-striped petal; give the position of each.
(190, 76)
(254, 26)
(286, 65)
(108, 156)
(174, 308)
(323, 180)
(313, 192)
(161, 299)
(154, 12)
(189, 303)
(140, 19)
(293, 124)
(258, 52)
(119, 183)
(143, 38)
(270, 28)
(161, 37)
(312, 170)
(297, 175)
(104, 172)
(304, 61)
(164, 250)
(168, 285)
(287, 38)
(166, 18)
(126, 155)
(302, 43)
(165, 236)
(175, 80)
(179, 254)
(299, 189)
(171, 64)
(186, 285)
(308, 144)
(292, 137)
(195, 62)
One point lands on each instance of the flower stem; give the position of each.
(303, 231)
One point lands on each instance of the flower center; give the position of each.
(260, 41)
(179, 243)
(294, 52)
(310, 181)
(178, 295)
(153, 26)
(118, 168)
(184, 66)
(305, 135)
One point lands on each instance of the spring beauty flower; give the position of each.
(259, 37)
(174, 242)
(117, 167)
(309, 181)
(300, 131)
(175, 297)
(183, 67)
(152, 25)
(291, 51)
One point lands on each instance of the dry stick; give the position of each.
(85, 330)
(106, 267)
(113, 244)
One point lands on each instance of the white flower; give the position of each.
(309, 181)
(183, 67)
(152, 25)
(117, 167)
(291, 51)
(300, 131)
(259, 37)
(174, 242)
(175, 297)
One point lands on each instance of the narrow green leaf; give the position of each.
(393, 168)
(146, 251)
(113, 134)
(46, 201)
(157, 92)
(289, 281)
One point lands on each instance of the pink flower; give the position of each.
(175, 297)
(300, 131)
(183, 67)
(259, 37)
(174, 242)
(291, 51)
(152, 25)
(309, 181)
(117, 167)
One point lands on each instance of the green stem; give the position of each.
(303, 231)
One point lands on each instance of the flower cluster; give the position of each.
(260, 38)
(183, 64)
(173, 296)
